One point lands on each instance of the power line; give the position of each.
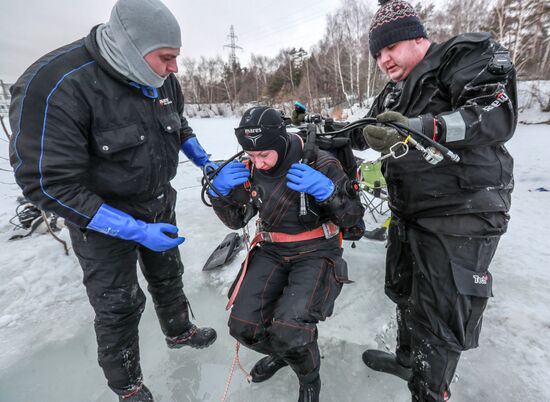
(275, 21)
(264, 38)
(287, 27)
(273, 38)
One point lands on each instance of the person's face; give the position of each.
(163, 61)
(399, 59)
(263, 160)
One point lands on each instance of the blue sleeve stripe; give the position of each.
(20, 161)
(44, 135)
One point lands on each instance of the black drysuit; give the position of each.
(447, 218)
(289, 287)
(84, 136)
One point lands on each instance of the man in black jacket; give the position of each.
(294, 271)
(97, 129)
(447, 217)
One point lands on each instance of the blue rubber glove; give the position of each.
(113, 222)
(232, 175)
(305, 179)
(195, 152)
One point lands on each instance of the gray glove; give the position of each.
(381, 138)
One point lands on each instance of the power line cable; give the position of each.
(287, 27)
(273, 39)
(312, 5)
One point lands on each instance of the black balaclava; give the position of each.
(261, 129)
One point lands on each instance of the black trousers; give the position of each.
(110, 278)
(437, 274)
(287, 290)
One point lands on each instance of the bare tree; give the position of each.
(466, 15)
(541, 47)
(340, 68)
(188, 78)
(355, 19)
(519, 25)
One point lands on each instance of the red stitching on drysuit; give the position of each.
(263, 292)
(286, 324)
(314, 289)
(243, 320)
(278, 211)
(135, 391)
(312, 361)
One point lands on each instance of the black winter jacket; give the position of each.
(84, 136)
(470, 96)
(279, 206)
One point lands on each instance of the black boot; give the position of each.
(400, 363)
(309, 391)
(434, 367)
(141, 394)
(195, 337)
(266, 367)
(386, 362)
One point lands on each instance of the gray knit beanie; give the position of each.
(135, 28)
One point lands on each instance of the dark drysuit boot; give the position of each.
(195, 337)
(266, 367)
(386, 362)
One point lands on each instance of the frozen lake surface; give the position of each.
(48, 344)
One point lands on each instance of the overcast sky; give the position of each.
(31, 28)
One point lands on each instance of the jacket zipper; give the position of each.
(158, 144)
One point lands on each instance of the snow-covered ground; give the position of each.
(48, 349)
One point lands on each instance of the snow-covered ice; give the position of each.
(47, 343)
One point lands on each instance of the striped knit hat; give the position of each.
(395, 20)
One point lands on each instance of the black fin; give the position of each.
(224, 252)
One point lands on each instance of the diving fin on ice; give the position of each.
(224, 252)
(385, 362)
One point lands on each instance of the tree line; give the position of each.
(339, 68)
